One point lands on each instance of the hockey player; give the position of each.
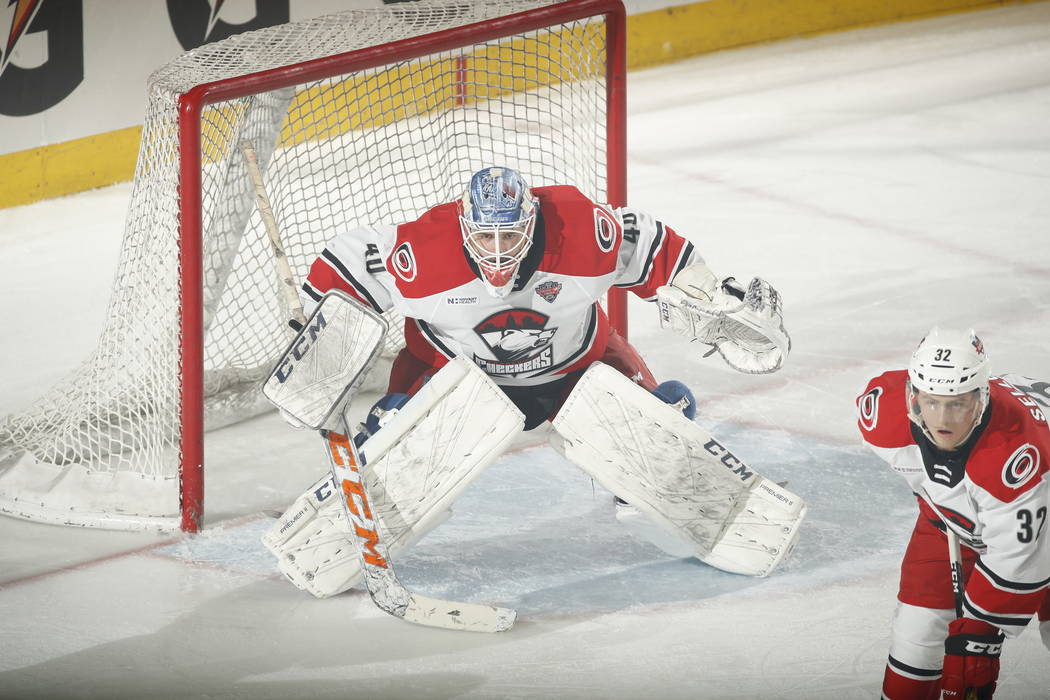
(974, 449)
(509, 278)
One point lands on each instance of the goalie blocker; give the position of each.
(325, 362)
(332, 351)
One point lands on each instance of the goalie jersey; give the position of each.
(993, 491)
(550, 324)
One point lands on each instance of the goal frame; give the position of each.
(191, 107)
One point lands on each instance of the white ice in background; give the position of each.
(884, 180)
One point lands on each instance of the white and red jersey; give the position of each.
(549, 325)
(994, 491)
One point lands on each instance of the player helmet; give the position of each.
(497, 220)
(948, 363)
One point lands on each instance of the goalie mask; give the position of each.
(497, 219)
(948, 386)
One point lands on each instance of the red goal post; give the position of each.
(192, 103)
(347, 133)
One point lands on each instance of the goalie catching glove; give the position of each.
(745, 326)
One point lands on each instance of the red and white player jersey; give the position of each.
(994, 491)
(550, 324)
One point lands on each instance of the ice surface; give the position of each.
(884, 180)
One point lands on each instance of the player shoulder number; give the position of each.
(1030, 524)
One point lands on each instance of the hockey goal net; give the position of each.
(366, 116)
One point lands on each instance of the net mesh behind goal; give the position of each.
(108, 446)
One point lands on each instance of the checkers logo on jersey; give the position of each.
(549, 291)
(520, 340)
(1021, 467)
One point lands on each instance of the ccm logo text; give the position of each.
(299, 348)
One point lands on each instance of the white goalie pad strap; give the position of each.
(677, 474)
(745, 326)
(326, 361)
(416, 466)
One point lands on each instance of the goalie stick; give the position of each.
(280, 259)
(386, 591)
(383, 585)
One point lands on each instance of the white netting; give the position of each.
(382, 145)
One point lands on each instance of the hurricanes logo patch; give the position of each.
(520, 340)
(604, 230)
(403, 261)
(1021, 467)
(549, 291)
(868, 409)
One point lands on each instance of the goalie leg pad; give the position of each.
(311, 528)
(314, 547)
(416, 466)
(677, 474)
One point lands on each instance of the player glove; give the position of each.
(744, 324)
(971, 660)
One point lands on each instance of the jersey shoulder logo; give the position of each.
(868, 408)
(548, 291)
(520, 340)
(403, 260)
(604, 229)
(1022, 465)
